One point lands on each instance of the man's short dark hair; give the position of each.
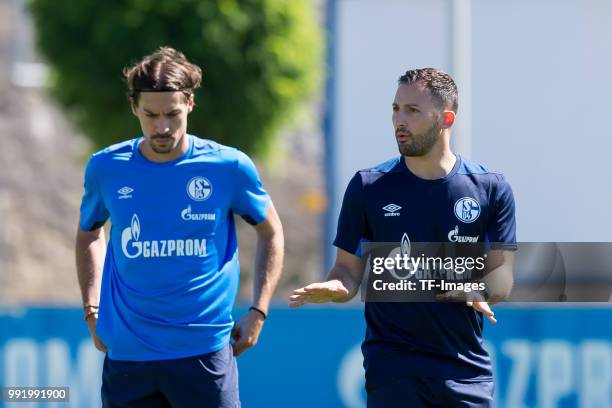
(166, 70)
(442, 87)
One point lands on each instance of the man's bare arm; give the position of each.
(498, 284)
(267, 270)
(90, 252)
(499, 280)
(268, 259)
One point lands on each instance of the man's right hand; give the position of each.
(91, 325)
(330, 291)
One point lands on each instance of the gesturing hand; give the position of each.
(330, 291)
(471, 299)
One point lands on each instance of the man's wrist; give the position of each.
(89, 311)
(341, 297)
(259, 311)
(485, 294)
(89, 315)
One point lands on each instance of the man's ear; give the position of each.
(448, 118)
(190, 103)
(134, 106)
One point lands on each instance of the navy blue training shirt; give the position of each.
(381, 204)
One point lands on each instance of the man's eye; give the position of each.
(150, 115)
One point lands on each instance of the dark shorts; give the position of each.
(208, 381)
(400, 392)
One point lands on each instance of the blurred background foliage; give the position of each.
(261, 61)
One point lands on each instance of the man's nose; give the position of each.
(400, 124)
(400, 119)
(162, 125)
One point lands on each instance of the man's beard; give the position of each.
(420, 144)
(162, 149)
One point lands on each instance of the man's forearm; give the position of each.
(499, 280)
(499, 283)
(268, 267)
(89, 263)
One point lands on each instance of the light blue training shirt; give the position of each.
(171, 270)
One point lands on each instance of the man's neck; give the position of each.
(436, 164)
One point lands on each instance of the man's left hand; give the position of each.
(472, 299)
(246, 331)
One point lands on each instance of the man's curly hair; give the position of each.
(442, 87)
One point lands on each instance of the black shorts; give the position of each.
(409, 392)
(208, 380)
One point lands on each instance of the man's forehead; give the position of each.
(162, 99)
(416, 91)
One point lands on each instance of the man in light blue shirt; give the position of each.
(161, 308)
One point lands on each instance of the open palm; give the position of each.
(330, 291)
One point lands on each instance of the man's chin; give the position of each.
(410, 153)
(162, 150)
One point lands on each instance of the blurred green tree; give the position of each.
(261, 61)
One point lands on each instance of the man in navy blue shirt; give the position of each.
(419, 354)
(158, 298)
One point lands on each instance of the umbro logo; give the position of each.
(392, 210)
(125, 192)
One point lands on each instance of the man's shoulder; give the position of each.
(202, 146)
(370, 175)
(474, 169)
(389, 166)
(122, 151)
(122, 148)
(207, 150)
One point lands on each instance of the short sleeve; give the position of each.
(501, 231)
(352, 222)
(93, 211)
(250, 200)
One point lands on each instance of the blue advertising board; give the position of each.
(544, 356)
